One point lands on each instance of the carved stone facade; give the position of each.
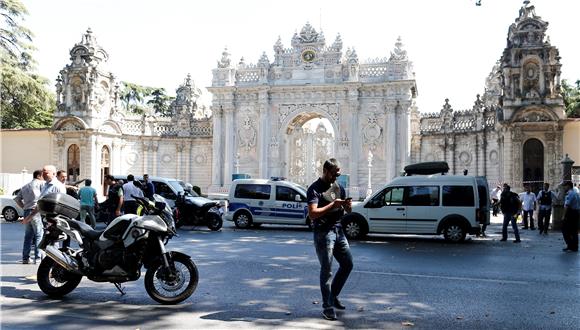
(514, 133)
(111, 140)
(261, 110)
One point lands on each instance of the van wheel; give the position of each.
(353, 228)
(454, 232)
(243, 220)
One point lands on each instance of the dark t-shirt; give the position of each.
(323, 193)
(509, 202)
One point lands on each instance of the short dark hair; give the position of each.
(88, 182)
(568, 183)
(330, 164)
(59, 172)
(130, 177)
(36, 174)
(109, 177)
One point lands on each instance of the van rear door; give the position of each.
(484, 202)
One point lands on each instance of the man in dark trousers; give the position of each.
(327, 204)
(545, 209)
(571, 217)
(114, 198)
(510, 205)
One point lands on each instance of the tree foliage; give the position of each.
(137, 98)
(571, 95)
(26, 100)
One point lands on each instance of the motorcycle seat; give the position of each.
(85, 229)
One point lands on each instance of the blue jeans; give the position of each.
(90, 211)
(33, 232)
(507, 217)
(332, 243)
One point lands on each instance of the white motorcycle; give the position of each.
(115, 254)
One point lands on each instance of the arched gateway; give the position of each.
(260, 111)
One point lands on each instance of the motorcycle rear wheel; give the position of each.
(54, 280)
(166, 290)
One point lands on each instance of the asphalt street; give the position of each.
(268, 278)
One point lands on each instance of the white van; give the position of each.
(253, 202)
(433, 204)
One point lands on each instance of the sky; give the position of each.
(453, 44)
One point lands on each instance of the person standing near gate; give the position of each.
(149, 189)
(88, 199)
(510, 204)
(130, 190)
(571, 217)
(33, 230)
(327, 204)
(545, 208)
(528, 206)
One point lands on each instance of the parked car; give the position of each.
(253, 202)
(425, 204)
(10, 210)
(192, 209)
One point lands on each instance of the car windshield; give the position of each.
(181, 187)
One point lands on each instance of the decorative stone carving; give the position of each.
(372, 132)
(533, 117)
(247, 134)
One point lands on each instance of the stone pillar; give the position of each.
(355, 144)
(264, 134)
(230, 148)
(390, 144)
(216, 173)
(558, 203)
(403, 139)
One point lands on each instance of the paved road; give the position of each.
(268, 278)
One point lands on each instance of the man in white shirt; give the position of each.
(52, 185)
(26, 199)
(495, 195)
(528, 199)
(130, 190)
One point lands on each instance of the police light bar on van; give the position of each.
(278, 178)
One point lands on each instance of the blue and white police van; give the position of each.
(253, 202)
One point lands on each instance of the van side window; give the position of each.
(458, 196)
(422, 196)
(253, 191)
(287, 194)
(394, 196)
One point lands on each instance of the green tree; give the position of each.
(161, 102)
(133, 97)
(26, 100)
(571, 95)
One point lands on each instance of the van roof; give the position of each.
(435, 178)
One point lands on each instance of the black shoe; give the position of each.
(541, 232)
(25, 261)
(337, 304)
(517, 241)
(503, 240)
(566, 249)
(524, 228)
(329, 314)
(533, 228)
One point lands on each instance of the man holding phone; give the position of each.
(327, 203)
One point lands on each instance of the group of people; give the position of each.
(48, 180)
(43, 182)
(120, 196)
(527, 202)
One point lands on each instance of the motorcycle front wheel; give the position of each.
(54, 280)
(174, 285)
(214, 221)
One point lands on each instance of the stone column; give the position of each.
(391, 143)
(230, 148)
(558, 204)
(264, 134)
(354, 147)
(403, 139)
(217, 153)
